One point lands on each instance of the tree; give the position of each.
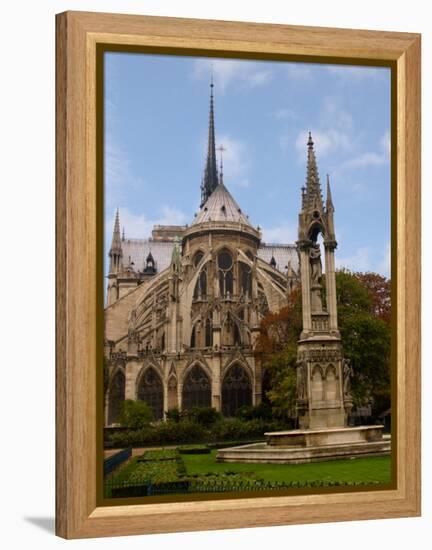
(364, 322)
(364, 311)
(379, 289)
(277, 343)
(135, 414)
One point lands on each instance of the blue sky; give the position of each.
(156, 117)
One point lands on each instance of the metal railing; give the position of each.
(115, 460)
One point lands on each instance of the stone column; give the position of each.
(305, 281)
(131, 373)
(331, 286)
(216, 385)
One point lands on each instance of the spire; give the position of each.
(210, 180)
(329, 201)
(221, 149)
(116, 241)
(312, 197)
(116, 252)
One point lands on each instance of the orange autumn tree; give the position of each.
(379, 289)
(278, 345)
(364, 313)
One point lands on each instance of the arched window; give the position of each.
(331, 384)
(317, 385)
(196, 389)
(225, 272)
(236, 390)
(116, 397)
(208, 333)
(230, 332)
(201, 285)
(198, 257)
(193, 338)
(150, 390)
(245, 279)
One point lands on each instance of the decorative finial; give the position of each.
(310, 142)
(123, 234)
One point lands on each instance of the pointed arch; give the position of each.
(150, 390)
(236, 389)
(331, 384)
(196, 388)
(225, 267)
(317, 384)
(116, 395)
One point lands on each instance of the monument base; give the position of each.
(302, 446)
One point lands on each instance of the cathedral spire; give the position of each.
(210, 180)
(312, 198)
(116, 240)
(329, 200)
(116, 252)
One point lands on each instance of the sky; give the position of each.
(156, 123)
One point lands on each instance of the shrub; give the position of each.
(194, 449)
(135, 414)
(205, 416)
(262, 411)
(174, 415)
(162, 454)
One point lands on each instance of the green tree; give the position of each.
(135, 414)
(366, 338)
(363, 315)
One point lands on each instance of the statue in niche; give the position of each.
(301, 381)
(316, 266)
(315, 277)
(347, 375)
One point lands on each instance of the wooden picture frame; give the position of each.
(79, 35)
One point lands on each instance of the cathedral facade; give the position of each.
(184, 306)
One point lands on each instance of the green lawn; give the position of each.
(370, 469)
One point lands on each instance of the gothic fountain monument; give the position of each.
(324, 400)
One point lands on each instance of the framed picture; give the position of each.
(238, 274)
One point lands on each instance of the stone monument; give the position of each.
(324, 399)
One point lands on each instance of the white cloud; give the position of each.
(370, 158)
(139, 226)
(364, 160)
(363, 260)
(359, 261)
(227, 72)
(334, 134)
(348, 72)
(283, 233)
(118, 173)
(325, 142)
(385, 143)
(384, 266)
(333, 115)
(235, 160)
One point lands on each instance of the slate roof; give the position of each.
(282, 253)
(221, 207)
(138, 249)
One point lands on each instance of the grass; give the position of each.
(369, 469)
(366, 470)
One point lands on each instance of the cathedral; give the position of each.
(184, 306)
